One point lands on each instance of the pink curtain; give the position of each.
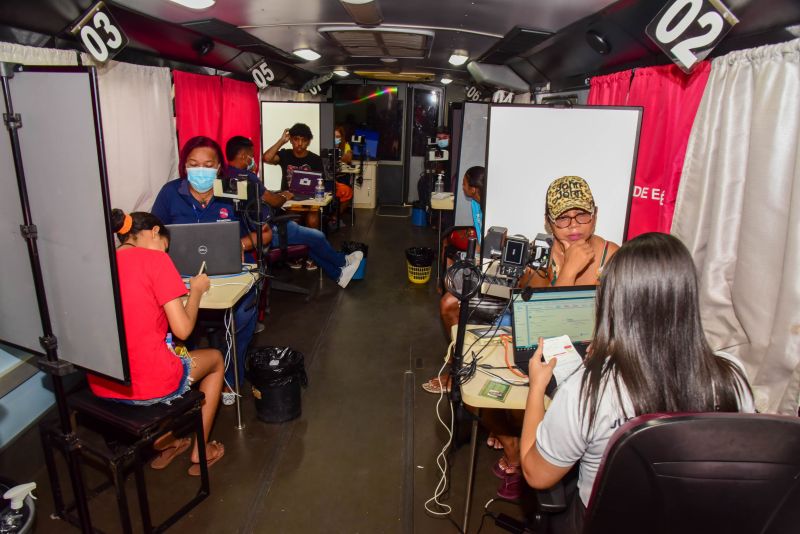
(198, 105)
(670, 100)
(611, 90)
(241, 114)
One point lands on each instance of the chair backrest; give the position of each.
(699, 473)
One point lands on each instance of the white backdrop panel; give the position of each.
(275, 118)
(530, 146)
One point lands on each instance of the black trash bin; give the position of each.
(276, 375)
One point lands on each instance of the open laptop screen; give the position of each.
(552, 312)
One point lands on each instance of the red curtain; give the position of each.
(198, 105)
(611, 90)
(670, 100)
(241, 114)
(216, 107)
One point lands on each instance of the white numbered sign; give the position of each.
(99, 33)
(688, 30)
(503, 97)
(262, 74)
(473, 94)
(315, 89)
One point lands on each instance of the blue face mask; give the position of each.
(336, 141)
(442, 143)
(201, 178)
(251, 164)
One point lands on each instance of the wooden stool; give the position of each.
(140, 426)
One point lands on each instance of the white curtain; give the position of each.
(738, 211)
(139, 131)
(281, 94)
(31, 55)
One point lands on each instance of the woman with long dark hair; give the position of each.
(151, 292)
(649, 354)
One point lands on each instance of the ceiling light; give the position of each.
(389, 59)
(343, 73)
(307, 54)
(459, 57)
(363, 12)
(195, 4)
(446, 80)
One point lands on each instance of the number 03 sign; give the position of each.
(688, 30)
(99, 33)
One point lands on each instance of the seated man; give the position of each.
(190, 199)
(338, 267)
(296, 158)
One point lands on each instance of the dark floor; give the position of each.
(361, 458)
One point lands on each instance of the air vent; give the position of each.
(381, 42)
(388, 76)
(515, 42)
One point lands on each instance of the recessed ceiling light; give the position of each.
(389, 59)
(307, 54)
(445, 80)
(363, 12)
(195, 4)
(459, 57)
(341, 72)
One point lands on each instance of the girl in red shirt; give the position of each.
(151, 293)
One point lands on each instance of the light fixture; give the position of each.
(458, 57)
(341, 72)
(195, 4)
(307, 54)
(363, 12)
(389, 59)
(445, 80)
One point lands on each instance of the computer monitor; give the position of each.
(371, 141)
(552, 312)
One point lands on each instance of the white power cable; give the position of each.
(441, 458)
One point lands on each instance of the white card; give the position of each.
(568, 358)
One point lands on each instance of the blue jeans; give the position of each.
(330, 261)
(245, 314)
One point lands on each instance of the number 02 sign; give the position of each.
(99, 33)
(688, 30)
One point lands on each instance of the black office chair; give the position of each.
(284, 253)
(699, 473)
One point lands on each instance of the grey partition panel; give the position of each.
(19, 314)
(61, 146)
(472, 152)
(530, 146)
(326, 126)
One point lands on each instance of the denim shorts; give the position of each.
(184, 386)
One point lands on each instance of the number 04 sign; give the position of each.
(99, 33)
(688, 30)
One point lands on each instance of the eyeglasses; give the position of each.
(564, 221)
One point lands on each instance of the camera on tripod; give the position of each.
(234, 187)
(515, 252)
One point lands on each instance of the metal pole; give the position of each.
(473, 449)
(239, 425)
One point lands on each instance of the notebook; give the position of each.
(218, 244)
(551, 312)
(303, 184)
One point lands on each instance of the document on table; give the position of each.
(568, 359)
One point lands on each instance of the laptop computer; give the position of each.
(218, 244)
(303, 184)
(551, 312)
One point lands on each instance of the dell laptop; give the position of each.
(218, 244)
(551, 312)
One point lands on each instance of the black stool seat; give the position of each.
(139, 421)
(139, 427)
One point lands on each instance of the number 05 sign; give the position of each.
(688, 30)
(99, 33)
